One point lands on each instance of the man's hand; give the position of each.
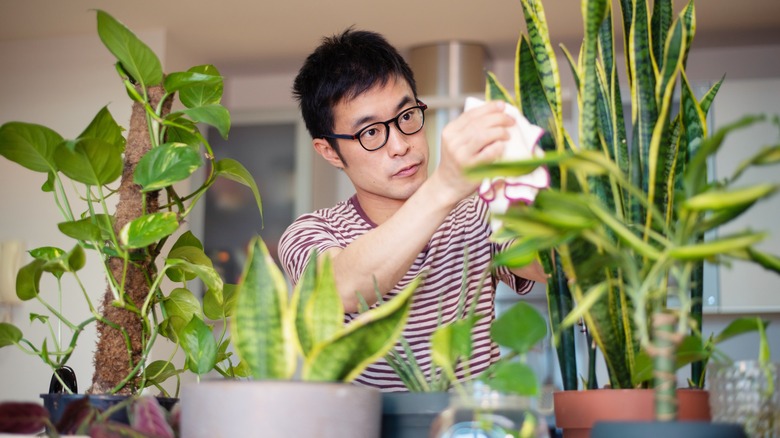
(477, 136)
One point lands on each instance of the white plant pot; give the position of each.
(226, 408)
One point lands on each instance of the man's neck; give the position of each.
(378, 209)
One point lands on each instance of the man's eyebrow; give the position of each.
(363, 121)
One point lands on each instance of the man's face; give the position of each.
(395, 171)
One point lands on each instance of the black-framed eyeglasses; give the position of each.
(374, 136)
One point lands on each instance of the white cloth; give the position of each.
(501, 192)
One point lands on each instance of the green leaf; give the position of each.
(207, 274)
(92, 161)
(148, 229)
(29, 145)
(138, 60)
(199, 345)
(209, 93)
(260, 326)
(187, 239)
(159, 371)
(451, 342)
(304, 289)
(363, 341)
(519, 328)
(9, 334)
(716, 247)
(180, 306)
(191, 254)
(28, 280)
(324, 311)
(165, 165)
(83, 229)
(104, 127)
(737, 327)
(513, 378)
(235, 171)
(727, 199)
(213, 114)
(219, 304)
(768, 261)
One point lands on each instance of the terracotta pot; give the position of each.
(577, 411)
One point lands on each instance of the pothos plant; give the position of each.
(623, 226)
(135, 243)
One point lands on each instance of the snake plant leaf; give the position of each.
(180, 306)
(209, 93)
(495, 91)
(559, 304)
(642, 81)
(304, 289)
(451, 342)
(324, 311)
(165, 165)
(148, 229)
(199, 346)
(660, 22)
(709, 96)
(544, 55)
(9, 334)
(213, 114)
(233, 170)
(363, 341)
(532, 99)
(29, 145)
(137, 59)
(91, 161)
(593, 12)
(688, 17)
(261, 326)
(514, 378)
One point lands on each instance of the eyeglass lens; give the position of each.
(375, 136)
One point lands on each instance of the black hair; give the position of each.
(343, 67)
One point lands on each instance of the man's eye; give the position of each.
(370, 133)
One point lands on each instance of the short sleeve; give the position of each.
(308, 232)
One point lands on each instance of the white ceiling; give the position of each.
(263, 35)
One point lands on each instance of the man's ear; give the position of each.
(323, 147)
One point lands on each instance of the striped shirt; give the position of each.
(465, 233)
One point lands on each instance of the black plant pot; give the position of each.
(57, 403)
(410, 414)
(674, 429)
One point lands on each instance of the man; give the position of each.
(359, 102)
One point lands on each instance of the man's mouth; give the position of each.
(407, 171)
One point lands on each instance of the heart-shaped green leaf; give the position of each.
(138, 60)
(165, 165)
(148, 229)
(29, 145)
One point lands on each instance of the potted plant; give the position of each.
(623, 227)
(273, 335)
(142, 245)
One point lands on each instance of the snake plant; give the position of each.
(269, 327)
(623, 225)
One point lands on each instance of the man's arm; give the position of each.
(386, 253)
